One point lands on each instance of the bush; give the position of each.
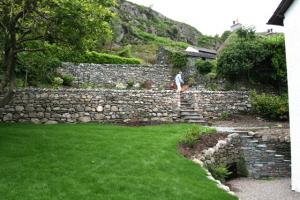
(178, 60)
(254, 58)
(204, 67)
(57, 82)
(219, 172)
(193, 134)
(270, 106)
(70, 55)
(67, 80)
(130, 83)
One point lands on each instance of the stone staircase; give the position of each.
(188, 113)
(261, 161)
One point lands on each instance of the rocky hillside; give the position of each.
(133, 20)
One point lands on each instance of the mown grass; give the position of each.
(99, 162)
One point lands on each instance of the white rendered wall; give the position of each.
(191, 49)
(292, 40)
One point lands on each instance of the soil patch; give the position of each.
(204, 142)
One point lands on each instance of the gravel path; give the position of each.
(273, 189)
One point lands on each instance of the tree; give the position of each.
(254, 58)
(25, 25)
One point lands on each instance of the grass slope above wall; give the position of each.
(99, 162)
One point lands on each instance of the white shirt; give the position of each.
(178, 79)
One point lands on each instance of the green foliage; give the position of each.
(204, 66)
(178, 60)
(270, 106)
(87, 85)
(242, 168)
(219, 172)
(193, 134)
(159, 40)
(67, 80)
(57, 82)
(254, 58)
(95, 57)
(211, 42)
(130, 83)
(39, 67)
(126, 52)
(86, 161)
(69, 55)
(225, 35)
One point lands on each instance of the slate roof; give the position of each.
(278, 16)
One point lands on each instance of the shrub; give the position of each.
(178, 60)
(130, 83)
(67, 80)
(241, 168)
(270, 106)
(204, 67)
(193, 134)
(57, 82)
(219, 172)
(103, 58)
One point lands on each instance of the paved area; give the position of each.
(273, 189)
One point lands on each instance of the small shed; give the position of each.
(198, 52)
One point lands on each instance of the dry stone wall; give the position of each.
(214, 103)
(159, 75)
(90, 105)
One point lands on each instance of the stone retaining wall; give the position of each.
(226, 152)
(83, 105)
(214, 103)
(159, 75)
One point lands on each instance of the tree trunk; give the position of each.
(8, 83)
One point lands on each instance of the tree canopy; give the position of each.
(254, 58)
(27, 25)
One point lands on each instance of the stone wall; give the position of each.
(159, 75)
(214, 103)
(226, 152)
(82, 105)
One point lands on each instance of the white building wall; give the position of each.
(292, 38)
(191, 49)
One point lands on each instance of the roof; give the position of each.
(200, 49)
(278, 16)
(201, 54)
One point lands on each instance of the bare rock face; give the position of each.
(147, 20)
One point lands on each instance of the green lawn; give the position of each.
(98, 162)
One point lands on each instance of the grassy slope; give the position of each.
(98, 162)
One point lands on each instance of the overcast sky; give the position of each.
(215, 16)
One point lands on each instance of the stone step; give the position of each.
(196, 121)
(192, 118)
(270, 151)
(253, 141)
(188, 113)
(262, 146)
(246, 137)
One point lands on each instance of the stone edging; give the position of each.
(206, 157)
